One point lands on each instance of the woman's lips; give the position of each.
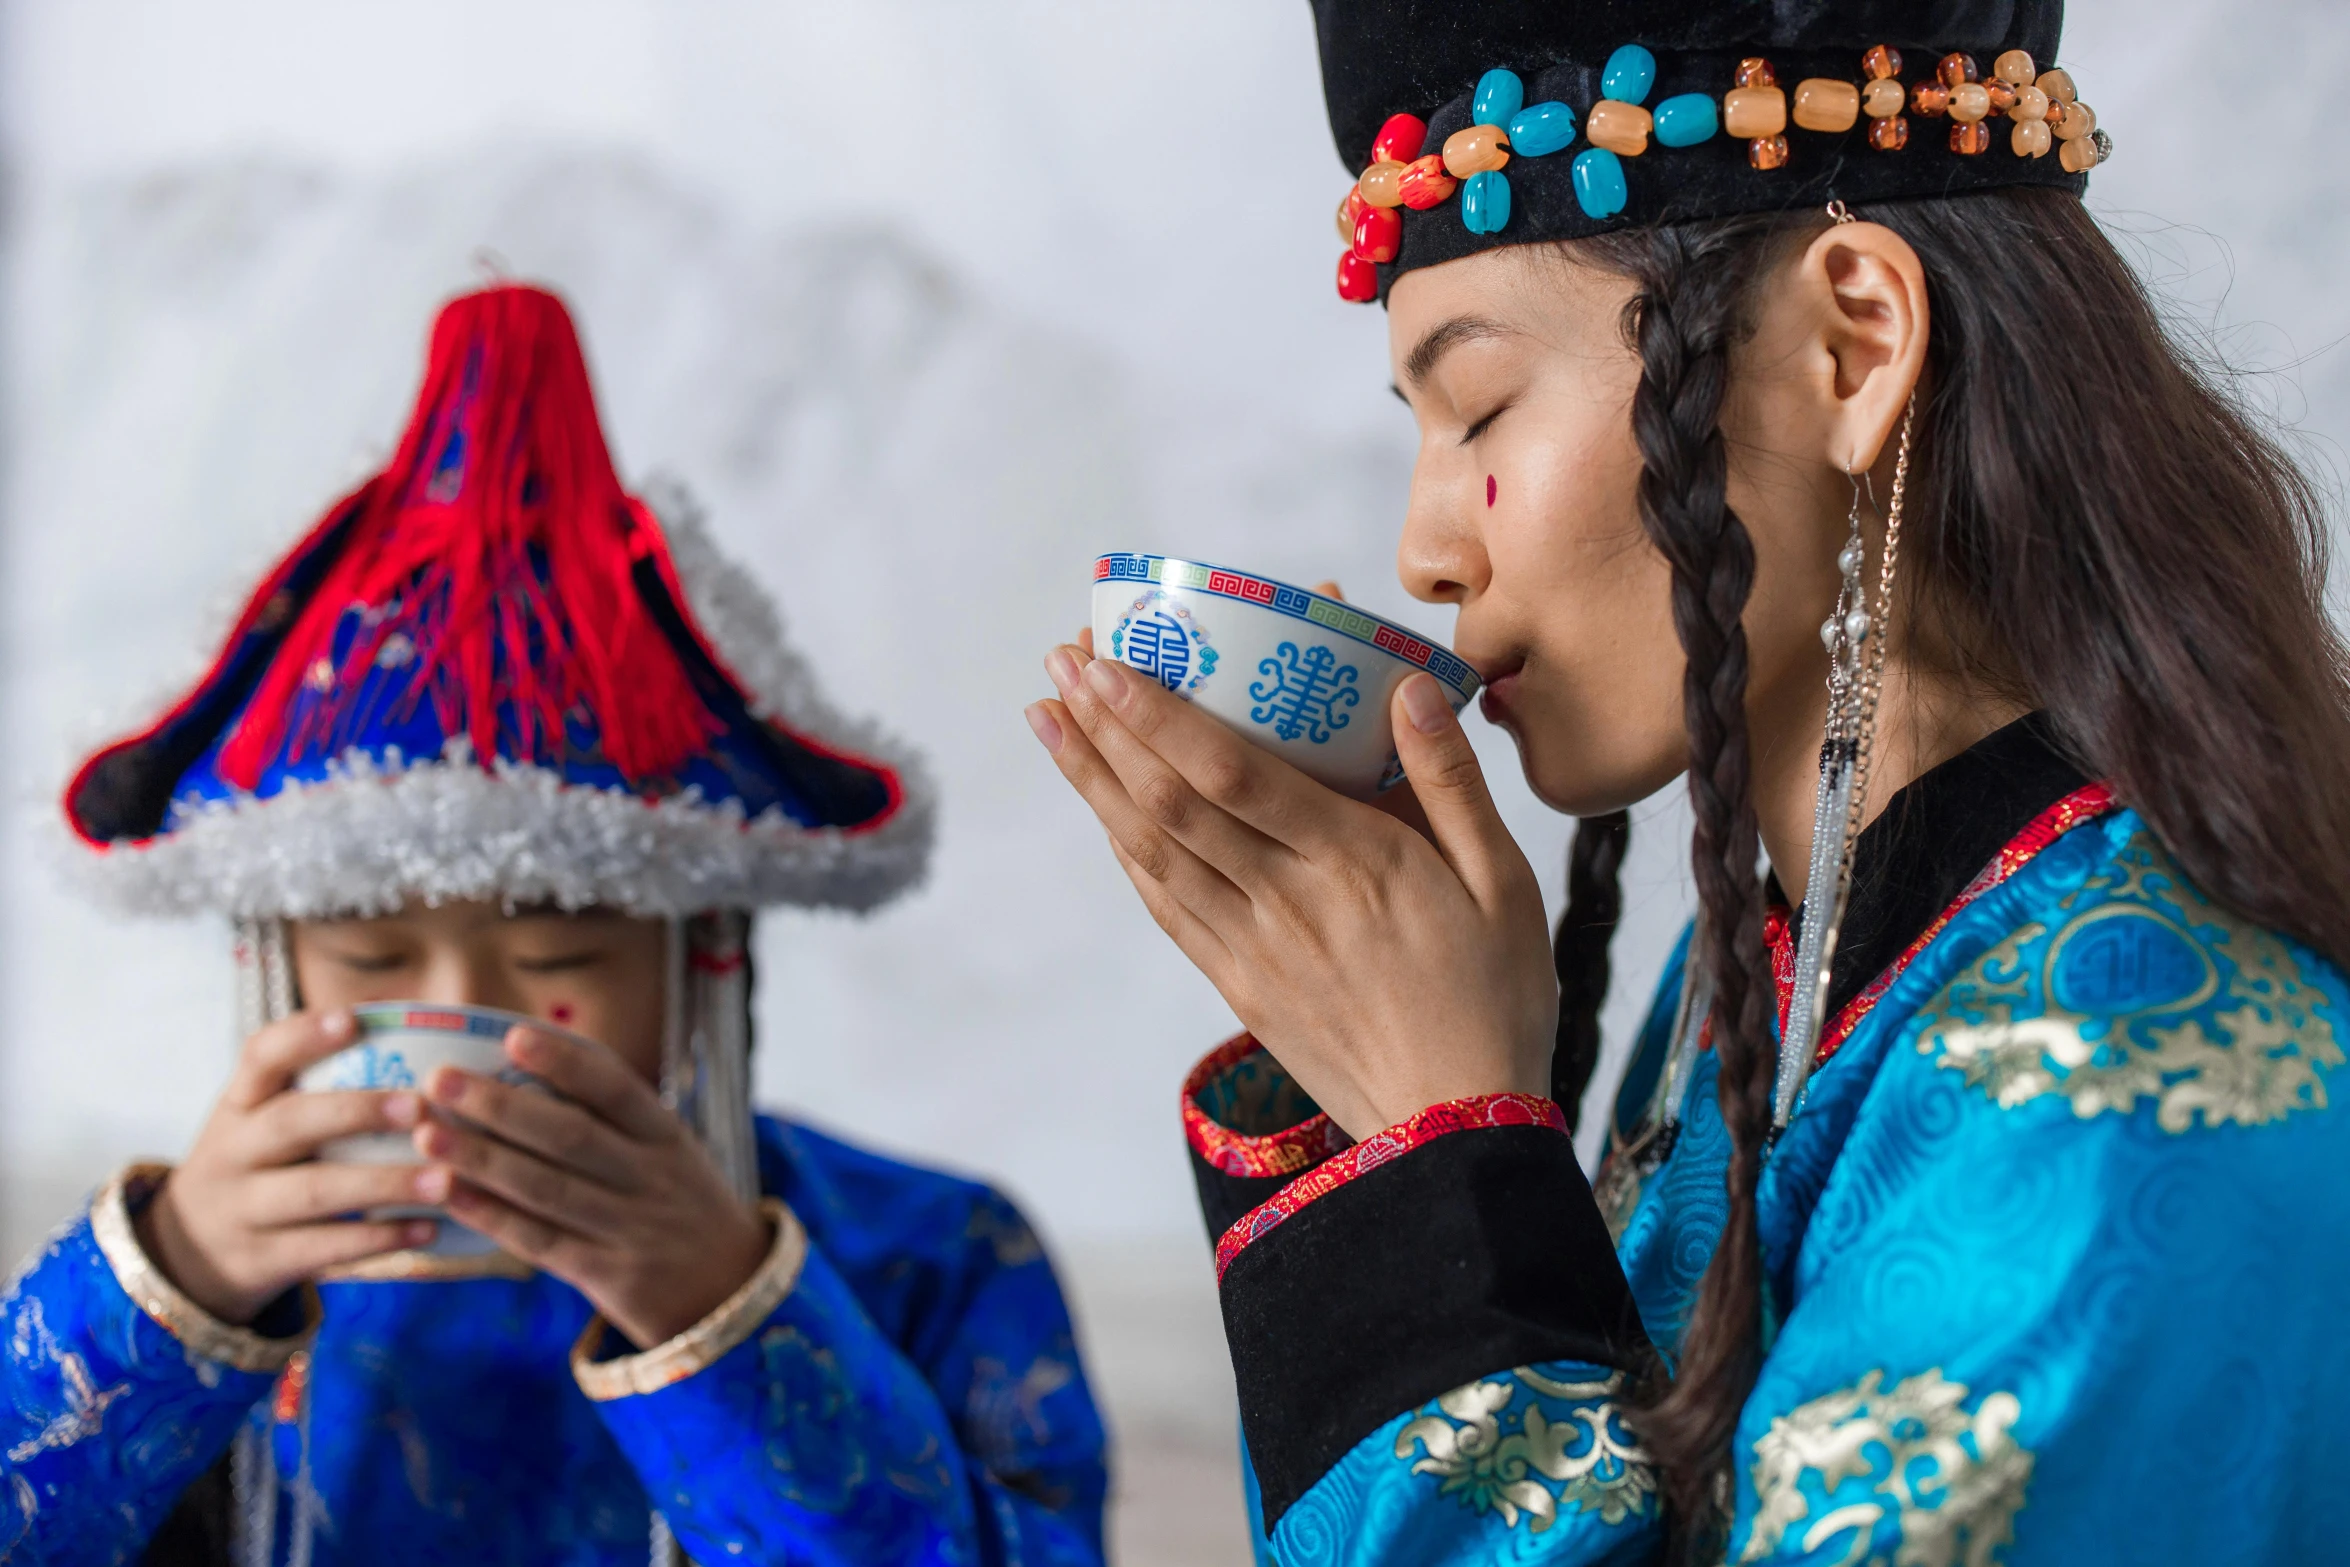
(1501, 684)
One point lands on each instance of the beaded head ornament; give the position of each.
(1518, 121)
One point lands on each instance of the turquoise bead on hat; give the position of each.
(1687, 120)
(1500, 95)
(1599, 182)
(1540, 129)
(1485, 202)
(1630, 73)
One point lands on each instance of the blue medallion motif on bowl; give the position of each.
(1159, 636)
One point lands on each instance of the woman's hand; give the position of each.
(1387, 971)
(247, 1215)
(605, 1189)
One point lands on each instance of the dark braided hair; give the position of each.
(1686, 317)
(2120, 547)
(1595, 902)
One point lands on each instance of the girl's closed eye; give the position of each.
(560, 962)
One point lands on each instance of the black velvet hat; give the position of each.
(1475, 123)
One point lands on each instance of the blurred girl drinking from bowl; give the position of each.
(497, 735)
(1786, 424)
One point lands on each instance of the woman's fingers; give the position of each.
(529, 1118)
(1196, 939)
(1154, 850)
(308, 1193)
(292, 1127)
(275, 1055)
(561, 1197)
(1234, 803)
(1450, 785)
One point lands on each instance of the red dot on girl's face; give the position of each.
(1489, 488)
(560, 1012)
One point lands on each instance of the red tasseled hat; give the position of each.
(483, 675)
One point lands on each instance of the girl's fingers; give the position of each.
(275, 1055)
(308, 1193)
(564, 1199)
(1154, 851)
(529, 1118)
(291, 1127)
(518, 1232)
(308, 1250)
(1450, 784)
(596, 1078)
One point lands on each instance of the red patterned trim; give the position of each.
(1284, 1152)
(2086, 803)
(1457, 1115)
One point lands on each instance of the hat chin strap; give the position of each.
(706, 1045)
(705, 1079)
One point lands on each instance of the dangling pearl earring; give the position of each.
(1856, 670)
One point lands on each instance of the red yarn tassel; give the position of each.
(499, 544)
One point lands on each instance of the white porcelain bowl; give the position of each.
(401, 1044)
(1307, 677)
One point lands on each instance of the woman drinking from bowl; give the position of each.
(1785, 423)
(496, 735)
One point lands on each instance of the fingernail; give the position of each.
(524, 1045)
(1062, 668)
(1040, 719)
(1429, 712)
(422, 1232)
(433, 1140)
(433, 1185)
(336, 1024)
(403, 1109)
(446, 1086)
(1108, 682)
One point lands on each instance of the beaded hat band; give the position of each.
(1560, 136)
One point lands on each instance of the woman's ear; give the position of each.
(1873, 321)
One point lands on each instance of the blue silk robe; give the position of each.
(913, 1395)
(2058, 1260)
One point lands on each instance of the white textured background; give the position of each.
(930, 300)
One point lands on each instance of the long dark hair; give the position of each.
(2113, 541)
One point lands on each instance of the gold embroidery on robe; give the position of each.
(1491, 1464)
(1952, 1481)
(2148, 993)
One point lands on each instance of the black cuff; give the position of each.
(1471, 1253)
(1224, 1198)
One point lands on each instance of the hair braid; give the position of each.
(1684, 320)
(1595, 901)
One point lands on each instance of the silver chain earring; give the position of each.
(1855, 636)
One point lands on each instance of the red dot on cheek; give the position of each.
(560, 1012)
(1490, 487)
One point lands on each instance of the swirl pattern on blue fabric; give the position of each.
(2053, 1260)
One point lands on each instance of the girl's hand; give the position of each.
(246, 1216)
(1387, 971)
(605, 1189)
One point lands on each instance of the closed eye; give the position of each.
(1470, 435)
(371, 962)
(560, 963)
